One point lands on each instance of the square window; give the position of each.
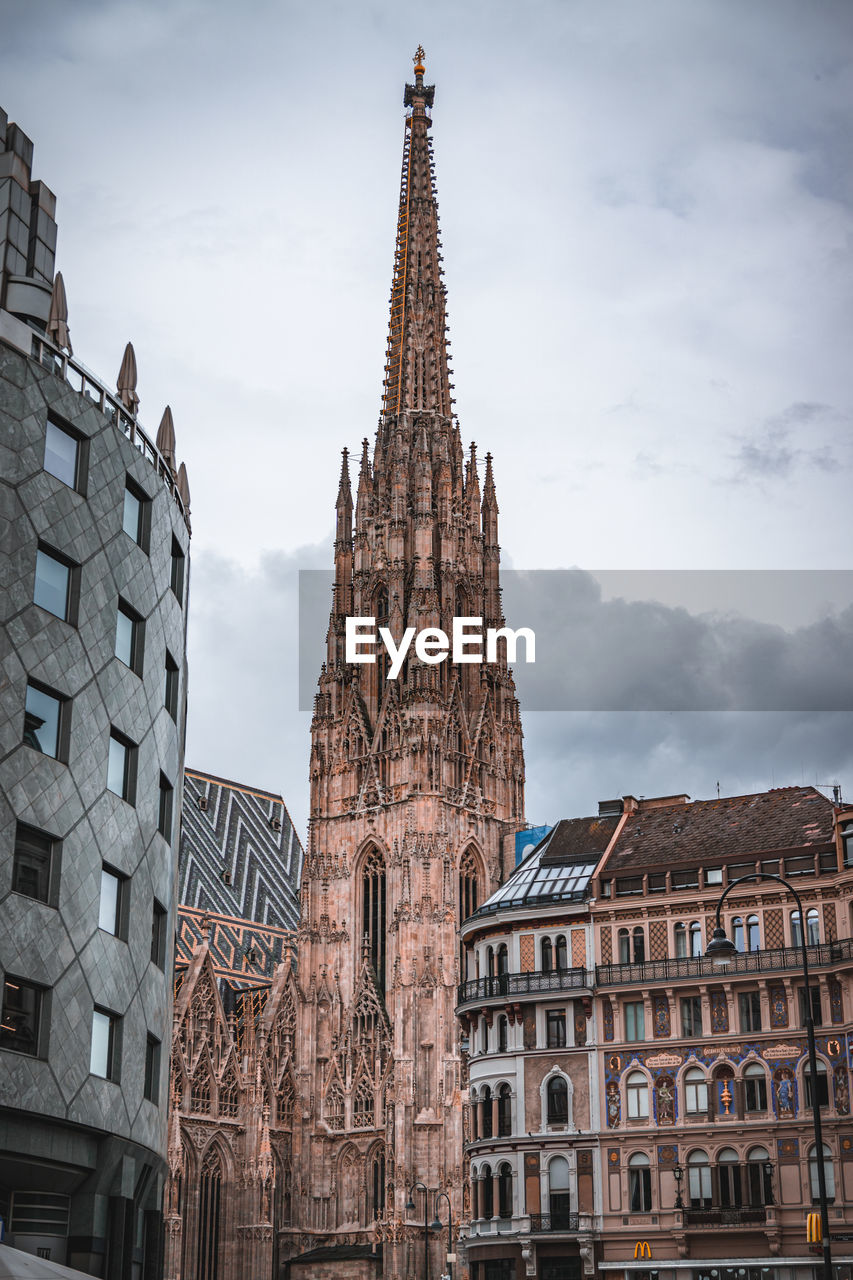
(164, 823)
(130, 632)
(20, 1023)
(170, 691)
(104, 1057)
(55, 586)
(713, 875)
(136, 514)
(43, 721)
(159, 918)
(555, 1023)
(121, 767)
(111, 913)
(63, 454)
(635, 1020)
(34, 864)
(691, 1016)
(152, 1069)
(178, 562)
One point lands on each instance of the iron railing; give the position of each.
(719, 1217)
(503, 985)
(770, 960)
(82, 380)
(553, 1222)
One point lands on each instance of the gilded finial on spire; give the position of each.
(419, 60)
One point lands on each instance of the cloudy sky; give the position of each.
(647, 214)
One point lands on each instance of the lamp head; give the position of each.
(410, 1204)
(678, 1173)
(721, 949)
(435, 1225)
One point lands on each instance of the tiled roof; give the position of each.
(712, 831)
(577, 838)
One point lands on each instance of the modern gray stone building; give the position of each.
(95, 546)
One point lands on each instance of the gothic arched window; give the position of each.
(378, 1180)
(562, 952)
(200, 1093)
(363, 1105)
(504, 1111)
(469, 895)
(334, 1107)
(210, 1187)
(373, 912)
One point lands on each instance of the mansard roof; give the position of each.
(559, 869)
(714, 831)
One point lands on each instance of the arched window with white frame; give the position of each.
(639, 1183)
(637, 1096)
(759, 1176)
(699, 1180)
(695, 1092)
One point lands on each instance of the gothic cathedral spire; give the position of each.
(415, 783)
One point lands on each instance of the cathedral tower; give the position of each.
(414, 783)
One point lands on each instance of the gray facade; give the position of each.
(95, 551)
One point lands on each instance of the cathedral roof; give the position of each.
(559, 869)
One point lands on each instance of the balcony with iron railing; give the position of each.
(553, 1222)
(772, 960)
(81, 380)
(505, 986)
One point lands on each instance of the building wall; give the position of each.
(747, 1051)
(65, 1130)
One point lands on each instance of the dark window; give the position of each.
(822, 1085)
(562, 952)
(56, 584)
(63, 454)
(503, 959)
(749, 1003)
(624, 938)
(164, 821)
(44, 726)
(170, 689)
(111, 912)
(152, 1069)
(130, 636)
(801, 865)
(556, 1028)
(209, 1224)
(505, 1191)
(628, 885)
(104, 1058)
(177, 574)
(34, 867)
(639, 939)
(691, 1016)
(504, 1111)
(755, 1088)
(373, 912)
(728, 1173)
(547, 957)
(847, 843)
(502, 1033)
(121, 767)
(685, 879)
(20, 1024)
(379, 1185)
(657, 882)
(159, 918)
(136, 514)
(558, 1101)
(817, 1016)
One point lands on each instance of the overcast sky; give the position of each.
(647, 215)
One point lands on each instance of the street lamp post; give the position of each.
(436, 1226)
(721, 950)
(678, 1174)
(410, 1208)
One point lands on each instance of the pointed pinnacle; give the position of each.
(344, 491)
